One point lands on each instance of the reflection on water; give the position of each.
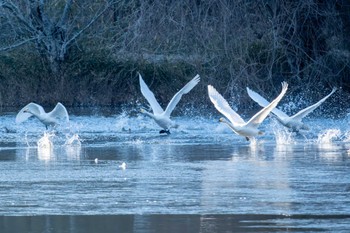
(199, 178)
(171, 223)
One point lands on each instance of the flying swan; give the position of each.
(161, 117)
(48, 119)
(236, 123)
(293, 122)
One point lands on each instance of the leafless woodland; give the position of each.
(88, 53)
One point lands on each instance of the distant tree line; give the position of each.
(88, 53)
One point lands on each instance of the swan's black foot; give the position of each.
(165, 131)
(247, 138)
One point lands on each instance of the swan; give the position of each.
(236, 123)
(161, 117)
(293, 122)
(48, 119)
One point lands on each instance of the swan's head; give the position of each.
(142, 110)
(222, 120)
(27, 110)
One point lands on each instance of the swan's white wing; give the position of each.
(223, 107)
(59, 112)
(262, 114)
(148, 94)
(303, 113)
(32, 107)
(263, 103)
(176, 98)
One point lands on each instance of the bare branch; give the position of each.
(18, 44)
(76, 35)
(66, 10)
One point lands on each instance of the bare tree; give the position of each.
(51, 27)
(92, 46)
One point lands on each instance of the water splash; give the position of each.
(45, 147)
(284, 137)
(122, 166)
(253, 142)
(346, 137)
(73, 141)
(45, 141)
(123, 123)
(26, 139)
(328, 136)
(294, 103)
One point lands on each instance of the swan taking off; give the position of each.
(161, 117)
(293, 122)
(48, 119)
(236, 123)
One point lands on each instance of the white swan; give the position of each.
(161, 117)
(237, 124)
(48, 119)
(293, 122)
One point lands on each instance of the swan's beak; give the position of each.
(260, 133)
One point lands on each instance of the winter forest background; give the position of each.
(88, 53)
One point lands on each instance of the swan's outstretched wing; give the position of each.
(263, 103)
(223, 107)
(59, 112)
(148, 94)
(176, 98)
(262, 114)
(303, 113)
(23, 114)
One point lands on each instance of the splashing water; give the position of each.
(284, 137)
(45, 141)
(346, 137)
(45, 147)
(26, 139)
(123, 122)
(253, 142)
(328, 136)
(122, 166)
(73, 141)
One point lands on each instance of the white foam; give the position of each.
(73, 140)
(45, 141)
(45, 147)
(328, 136)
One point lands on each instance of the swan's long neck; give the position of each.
(147, 113)
(34, 114)
(229, 125)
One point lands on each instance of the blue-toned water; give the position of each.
(202, 174)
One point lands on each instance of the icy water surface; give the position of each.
(117, 172)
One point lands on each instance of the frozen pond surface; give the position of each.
(202, 177)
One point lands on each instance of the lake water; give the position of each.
(201, 177)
